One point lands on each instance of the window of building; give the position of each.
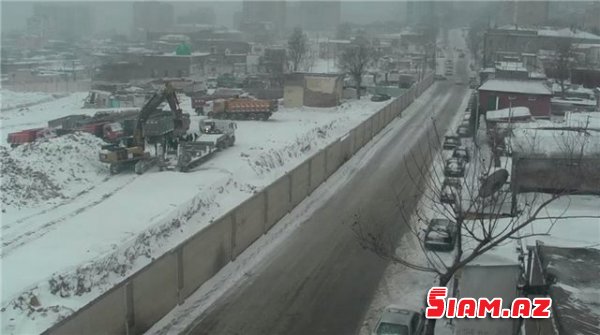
(532, 98)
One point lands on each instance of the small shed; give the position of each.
(312, 90)
(489, 276)
(497, 94)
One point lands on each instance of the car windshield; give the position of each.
(116, 126)
(392, 329)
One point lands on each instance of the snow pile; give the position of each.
(554, 142)
(274, 158)
(13, 100)
(49, 171)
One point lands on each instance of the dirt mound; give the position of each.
(50, 170)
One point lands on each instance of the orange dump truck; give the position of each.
(243, 109)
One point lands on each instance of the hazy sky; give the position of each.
(117, 15)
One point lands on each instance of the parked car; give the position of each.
(452, 181)
(461, 153)
(451, 142)
(449, 194)
(440, 77)
(454, 168)
(441, 235)
(398, 321)
(463, 131)
(380, 97)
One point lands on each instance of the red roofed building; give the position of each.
(497, 94)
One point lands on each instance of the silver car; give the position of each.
(398, 321)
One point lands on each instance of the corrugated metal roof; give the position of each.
(516, 86)
(575, 291)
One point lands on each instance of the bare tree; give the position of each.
(355, 61)
(562, 63)
(297, 48)
(308, 61)
(484, 219)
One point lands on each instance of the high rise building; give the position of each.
(419, 12)
(522, 13)
(150, 16)
(264, 11)
(199, 15)
(532, 13)
(320, 15)
(60, 21)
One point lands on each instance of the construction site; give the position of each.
(239, 167)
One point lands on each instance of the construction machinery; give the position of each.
(152, 126)
(243, 109)
(27, 136)
(215, 135)
(201, 102)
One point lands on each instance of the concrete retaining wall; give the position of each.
(107, 315)
(317, 170)
(249, 225)
(278, 200)
(346, 148)
(146, 296)
(155, 292)
(334, 157)
(205, 254)
(300, 183)
(360, 135)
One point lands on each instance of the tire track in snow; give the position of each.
(36, 231)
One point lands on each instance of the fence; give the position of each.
(146, 296)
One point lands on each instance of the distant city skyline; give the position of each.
(118, 15)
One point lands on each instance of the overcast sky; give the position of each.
(118, 14)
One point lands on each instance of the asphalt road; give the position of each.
(320, 281)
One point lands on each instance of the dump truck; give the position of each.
(27, 136)
(68, 123)
(243, 109)
(108, 131)
(201, 102)
(215, 135)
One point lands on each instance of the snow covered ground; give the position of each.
(37, 115)
(10, 100)
(61, 250)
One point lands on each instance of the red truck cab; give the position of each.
(113, 132)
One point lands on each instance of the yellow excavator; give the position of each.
(153, 126)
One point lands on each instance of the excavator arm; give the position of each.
(168, 94)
